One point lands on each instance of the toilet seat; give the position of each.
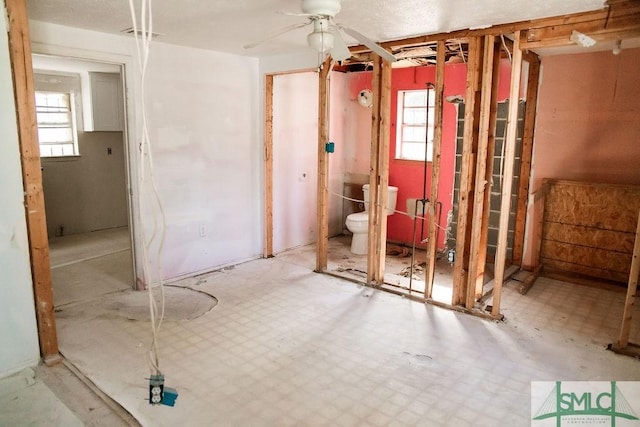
(359, 217)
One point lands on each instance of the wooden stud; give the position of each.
(491, 149)
(632, 288)
(525, 160)
(322, 246)
(372, 257)
(539, 200)
(482, 185)
(435, 169)
(268, 167)
(22, 69)
(507, 177)
(383, 168)
(467, 174)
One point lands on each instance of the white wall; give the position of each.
(338, 127)
(18, 332)
(203, 111)
(295, 160)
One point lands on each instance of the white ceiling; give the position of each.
(227, 25)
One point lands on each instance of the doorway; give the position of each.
(80, 112)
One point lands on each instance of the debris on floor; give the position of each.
(418, 269)
(397, 250)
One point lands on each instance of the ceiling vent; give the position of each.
(139, 33)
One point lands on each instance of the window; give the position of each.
(56, 124)
(412, 124)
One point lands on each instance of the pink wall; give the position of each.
(588, 121)
(407, 175)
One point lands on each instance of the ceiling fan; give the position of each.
(326, 37)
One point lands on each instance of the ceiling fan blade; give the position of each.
(375, 47)
(277, 34)
(340, 51)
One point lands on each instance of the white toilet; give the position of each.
(358, 223)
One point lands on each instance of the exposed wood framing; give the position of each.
(539, 200)
(21, 67)
(383, 167)
(507, 177)
(322, 245)
(435, 170)
(632, 288)
(374, 162)
(467, 172)
(625, 15)
(620, 20)
(491, 149)
(268, 167)
(525, 160)
(482, 185)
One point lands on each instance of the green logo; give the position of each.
(586, 405)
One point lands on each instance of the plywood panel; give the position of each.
(611, 240)
(586, 270)
(608, 207)
(588, 256)
(589, 228)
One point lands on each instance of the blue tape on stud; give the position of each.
(330, 147)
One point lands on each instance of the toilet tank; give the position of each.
(392, 198)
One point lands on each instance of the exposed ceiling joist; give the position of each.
(619, 20)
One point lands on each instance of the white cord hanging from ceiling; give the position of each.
(143, 42)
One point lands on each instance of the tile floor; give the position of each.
(288, 347)
(84, 266)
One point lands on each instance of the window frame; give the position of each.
(401, 143)
(71, 121)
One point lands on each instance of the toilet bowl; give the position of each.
(358, 223)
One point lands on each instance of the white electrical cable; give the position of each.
(505, 47)
(142, 46)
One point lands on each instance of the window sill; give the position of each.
(60, 158)
(410, 162)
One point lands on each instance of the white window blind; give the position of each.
(56, 124)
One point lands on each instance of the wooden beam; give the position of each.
(627, 7)
(467, 172)
(372, 257)
(268, 167)
(526, 54)
(632, 288)
(507, 177)
(525, 160)
(322, 246)
(619, 24)
(491, 149)
(436, 162)
(482, 185)
(383, 168)
(22, 70)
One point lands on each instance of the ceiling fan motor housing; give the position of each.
(321, 7)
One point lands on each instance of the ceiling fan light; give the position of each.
(320, 41)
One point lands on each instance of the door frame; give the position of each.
(21, 50)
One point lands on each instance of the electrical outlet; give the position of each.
(156, 389)
(202, 230)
